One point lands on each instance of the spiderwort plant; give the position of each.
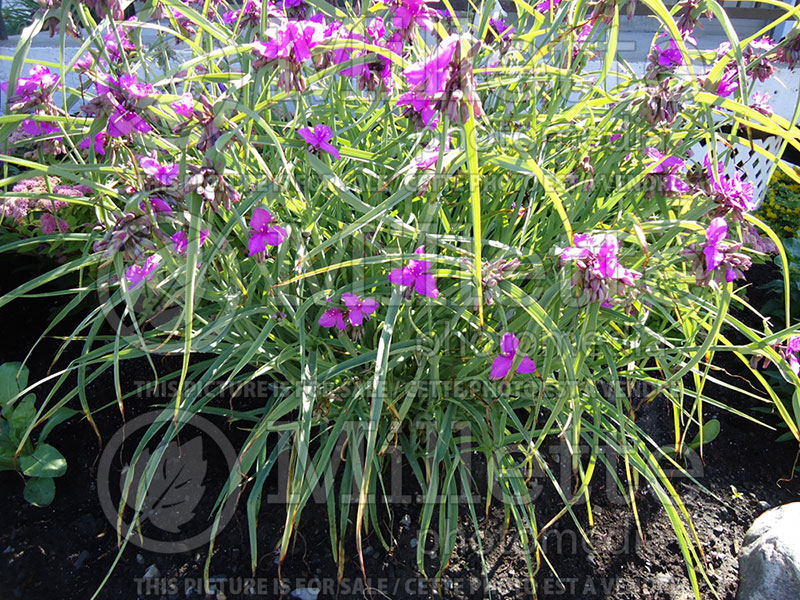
(572, 219)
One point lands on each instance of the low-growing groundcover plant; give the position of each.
(403, 215)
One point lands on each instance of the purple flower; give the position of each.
(33, 90)
(760, 103)
(508, 351)
(262, 234)
(158, 205)
(731, 193)
(32, 127)
(358, 310)
(133, 88)
(728, 84)
(318, 139)
(755, 56)
(333, 317)
(293, 40)
(411, 12)
(546, 5)
(99, 143)
(716, 259)
(180, 241)
(790, 354)
(599, 272)
(165, 174)
(716, 232)
(431, 75)
(669, 57)
(136, 274)
(667, 172)
(122, 122)
(184, 106)
(444, 81)
(416, 274)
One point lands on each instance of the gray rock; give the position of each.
(769, 561)
(305, 594)
(152, 572)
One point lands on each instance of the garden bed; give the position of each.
(66, 549)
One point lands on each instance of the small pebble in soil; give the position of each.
(140, 559)
(413, 542)
(763, 505)
(405, 521)
(305, 594)
(81, 559)
(152, 572)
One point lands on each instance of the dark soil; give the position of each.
(64, 551)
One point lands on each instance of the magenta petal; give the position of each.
(329, 149)
(308, 136)
(328, 318)
(258, 243)
(368, 305)
(323, 133)
(526, 366)
(260, 219)
(509, 344)
(274, 236)
(717, 230)
(356, 317)
(501, 366)
(401, 276)
(572, 253)
(350, 300)
(794, 364)
(714, 257)
(426, 285)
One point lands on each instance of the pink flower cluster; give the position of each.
(356, 311)
(600, 274)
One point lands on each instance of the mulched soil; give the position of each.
(64, 551)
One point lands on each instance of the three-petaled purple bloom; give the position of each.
(667, 172)
(318, 138)
(159, 205)
(137, 274)
(33, 90)
(508, 352)
(416, 274)
(668, 57)
(333, 317)
(262, 233)
(184, 106)
(292, 40)
(444, 81)
(180, 241)
(358, 310)
(165, 174)
(717, 259)
(716, 232)
(733, 194)
(411, 12)
(792, 350)
(98, 143)
(600, 274)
